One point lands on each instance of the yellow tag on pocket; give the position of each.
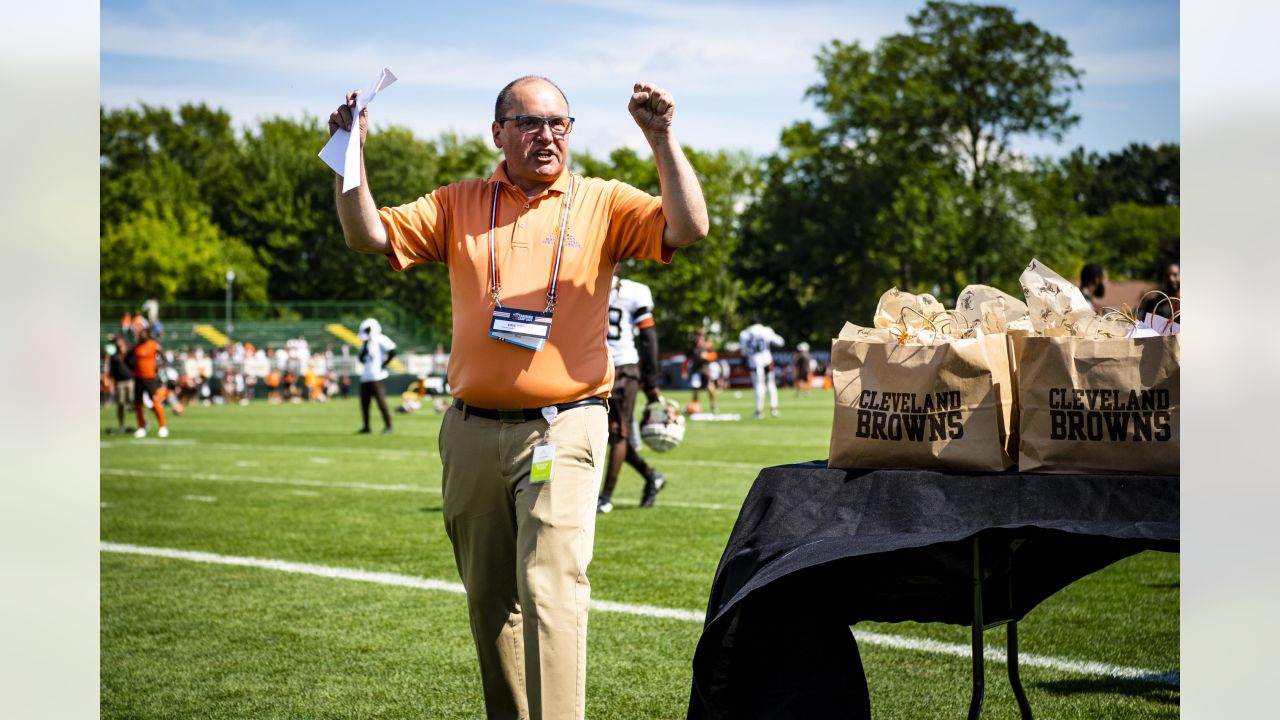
(544, 463)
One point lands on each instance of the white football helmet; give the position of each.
(662, 426)
(368, 328)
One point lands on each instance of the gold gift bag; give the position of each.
(1099, 406)
(946, 405)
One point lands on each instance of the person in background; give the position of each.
(144, 360)
(375, 354)
(290, 385)
(345, 383)
(250, 388)
(1169, 276)
(122, 376)
(715, 381)
(274, 395)
(756, 340)
(105, 385)
(168, 392)
(1093, 284)
(803, 362)
(630, 319)
(701, 355)
(412, 397)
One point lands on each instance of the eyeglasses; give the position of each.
(560, 125)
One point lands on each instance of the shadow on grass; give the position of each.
(1164, 586)
(1156, 690)
(431, 509)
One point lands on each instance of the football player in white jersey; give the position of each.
(634, 364)
(376, 352)
(755, 341)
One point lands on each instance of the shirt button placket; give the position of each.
(518, 239)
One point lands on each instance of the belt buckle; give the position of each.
(511, 416)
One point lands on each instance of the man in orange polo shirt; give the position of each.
(530, 253)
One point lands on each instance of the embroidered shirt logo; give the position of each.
(569, 240)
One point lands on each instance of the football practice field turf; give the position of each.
(265, 562)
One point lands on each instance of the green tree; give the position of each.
(913, 180)
(698, 289)
(1140, 174)
(167, 186)
(287, 207)
(461, 157)
(284, 207)
(808, 257)
(198, 140)
(175, 253)
(1130, 239)
(262, 204)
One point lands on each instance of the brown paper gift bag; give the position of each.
(1099, 406)
(948, 405)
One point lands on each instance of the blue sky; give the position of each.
(738, 70)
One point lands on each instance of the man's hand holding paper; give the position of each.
(340, 153)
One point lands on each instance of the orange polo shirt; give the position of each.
(609, 221)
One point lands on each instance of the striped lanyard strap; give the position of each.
(495, 279)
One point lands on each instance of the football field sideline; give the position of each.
(898, 642)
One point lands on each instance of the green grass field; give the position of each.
(183, 638)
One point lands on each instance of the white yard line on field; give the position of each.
(174, 442)
(382, 452)
(214, 477)
(1081, 667)
(898, 642)
(257, 479)
(187, 444)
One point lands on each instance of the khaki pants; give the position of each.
(124, 393)
(522, 550)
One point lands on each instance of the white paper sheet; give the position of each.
(1161, 325)
(342, 155)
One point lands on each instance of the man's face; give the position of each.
(1173, 277)
(536, 158)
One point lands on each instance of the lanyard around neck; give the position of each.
(495, 280)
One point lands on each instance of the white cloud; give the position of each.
(1129, 67)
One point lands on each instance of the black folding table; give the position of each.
(815, 550)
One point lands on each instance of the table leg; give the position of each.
(975, 703)
(1014, 679)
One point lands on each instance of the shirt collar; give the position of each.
(560, 186)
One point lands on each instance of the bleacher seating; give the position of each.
(262, 333)
(322, 323)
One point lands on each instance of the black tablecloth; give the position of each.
(816, 550)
